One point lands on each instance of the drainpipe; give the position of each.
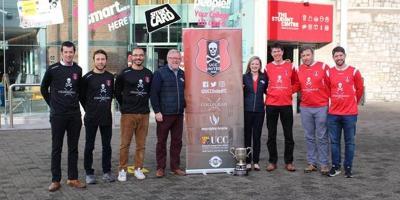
(83, 35)
(343, 23)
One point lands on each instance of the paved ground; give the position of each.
(25, 169)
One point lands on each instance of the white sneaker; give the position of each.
(122, 176)
(248, 167)
(139, 174)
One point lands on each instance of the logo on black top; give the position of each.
(67, 88)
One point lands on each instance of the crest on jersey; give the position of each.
(340, 89)
(213, 56)
(147, 79)
(308, 82)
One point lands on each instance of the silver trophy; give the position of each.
(240, 154)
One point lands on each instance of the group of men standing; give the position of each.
(63, 87)
(329, 99)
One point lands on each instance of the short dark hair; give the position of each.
(304, 48)
(100, 51)
(338, 49)
(136, 47)
(128, 53)
(276, 46)
(67, 44)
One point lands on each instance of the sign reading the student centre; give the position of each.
(292, 21)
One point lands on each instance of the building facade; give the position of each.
(372, 36)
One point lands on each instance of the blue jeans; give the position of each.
(337, 123)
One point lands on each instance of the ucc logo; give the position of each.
(214, 140)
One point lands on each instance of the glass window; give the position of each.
(176, 32)
(161, 35)
(141, 34)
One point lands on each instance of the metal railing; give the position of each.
(10, 97)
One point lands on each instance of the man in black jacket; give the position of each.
(97, 87)
(63, 79)
(132, 91)
(167, 99)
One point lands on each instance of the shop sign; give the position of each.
(160, 16)
(39, 13)
(212, 13)
(114, 16)
(299, 22)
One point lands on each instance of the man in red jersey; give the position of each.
(346, 88)
(311, 78)
(281, 75)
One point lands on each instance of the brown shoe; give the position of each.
(179, 172)
(324, 170)
(290, 167)
(76, 183)
(271, 167)
(310, 168)
(54, 186)
(160, 173)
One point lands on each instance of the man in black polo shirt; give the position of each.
(62, 78)
(97, 87)
(132, 91)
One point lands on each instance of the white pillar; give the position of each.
(260, 30)
(83, 35)
(343, 23)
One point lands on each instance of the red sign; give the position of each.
(214, 98)
(300, 22)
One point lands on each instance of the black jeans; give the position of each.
(106, 134)
(59, 124)
(286, 115)
(253, 122)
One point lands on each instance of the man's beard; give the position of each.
(340, 62)
(100, 68)
(137, 62)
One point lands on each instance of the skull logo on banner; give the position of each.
(213, 57)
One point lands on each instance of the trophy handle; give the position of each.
(250, 151)
(232, 151)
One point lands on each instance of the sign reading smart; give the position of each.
(160, 16)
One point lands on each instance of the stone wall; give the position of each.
(375, 3)
(374, 48)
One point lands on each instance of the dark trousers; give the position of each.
(59, 124)
(173, 123)
(106, 134)
(253, 122)
(285, 113)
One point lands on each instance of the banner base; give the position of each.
(209, 171)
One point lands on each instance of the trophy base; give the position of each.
(240, 170)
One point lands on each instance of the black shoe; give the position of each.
(347, 173)
(334, 172)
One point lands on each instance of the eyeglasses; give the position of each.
(174, 58)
